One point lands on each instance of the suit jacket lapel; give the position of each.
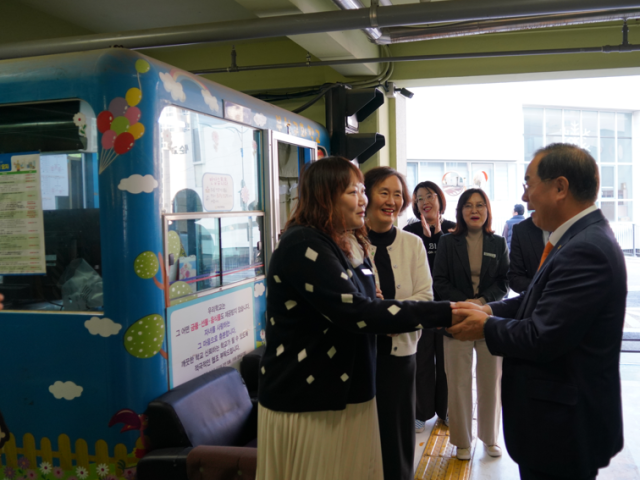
(463, 254)
(489, 246)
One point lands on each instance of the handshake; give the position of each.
(468, 319)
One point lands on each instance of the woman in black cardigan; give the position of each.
(429, 204)
(471, 265)
(317, 415)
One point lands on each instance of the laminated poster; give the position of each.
(210, 333)
(21, 226)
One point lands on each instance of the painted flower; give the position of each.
(46, 468)
(130, 473)
(58, 472)
(102, 470)
(82, 472)
(31, 474)
(79, 119)
(9, 472)
(23, 462)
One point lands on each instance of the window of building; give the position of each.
(498, 179)
(605, 134)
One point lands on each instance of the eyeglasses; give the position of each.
(528, 187)
(427, 198)
(477, 206)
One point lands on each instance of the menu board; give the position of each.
(21, 226)
(212, 333)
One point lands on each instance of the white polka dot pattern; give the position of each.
(292, 303)
(262, 370)
(344, 276)
(308, 287)
(331, 352)
(419, 326)
(362, 324)
(302, 355)
(279, 350)
(311, 254)
(393, 309)
(310, 379)
(350, 273)
(326, 330)
(277, 279)
(273, 322)
(347, 298)
(344, 377)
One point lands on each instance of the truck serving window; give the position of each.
(214, 229)
(64, 134)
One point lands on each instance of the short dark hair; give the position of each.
(380, 174)
(519, 209)
(461, 226)
(575, 164)
(428, 185)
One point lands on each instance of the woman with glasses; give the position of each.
(429, 204)
(471, 265)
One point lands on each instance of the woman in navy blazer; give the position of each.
(471, 265)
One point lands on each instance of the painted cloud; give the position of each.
(260, 120)
(137, 184)
(105, 327)
(210, 100)
(173, 87)
(66, 390)
(258, 289)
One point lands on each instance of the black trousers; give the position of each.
(395, 396)
(528, 474)
(431, 380)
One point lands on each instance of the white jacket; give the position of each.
(412, 278)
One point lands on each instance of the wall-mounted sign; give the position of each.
(480, 179)
(213, 333)
(217, 192)
(21, 226)
(453, 184)
(54, 178)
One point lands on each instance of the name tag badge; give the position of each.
(487, 254)
(366, 271)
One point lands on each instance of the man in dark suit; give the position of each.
(526, 249)
(562, 409)
(518, 216)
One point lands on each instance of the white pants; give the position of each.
(458, 364)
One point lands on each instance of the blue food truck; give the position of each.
(139, 205)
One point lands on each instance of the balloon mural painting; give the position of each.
(119, 125)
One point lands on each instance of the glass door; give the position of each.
(287, 157)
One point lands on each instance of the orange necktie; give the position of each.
(547, 250)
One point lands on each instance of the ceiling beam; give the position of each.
(345, 45)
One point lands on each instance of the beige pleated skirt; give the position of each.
(328, 445)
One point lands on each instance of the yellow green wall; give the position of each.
(283, 50)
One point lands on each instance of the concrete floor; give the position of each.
(624, 466)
